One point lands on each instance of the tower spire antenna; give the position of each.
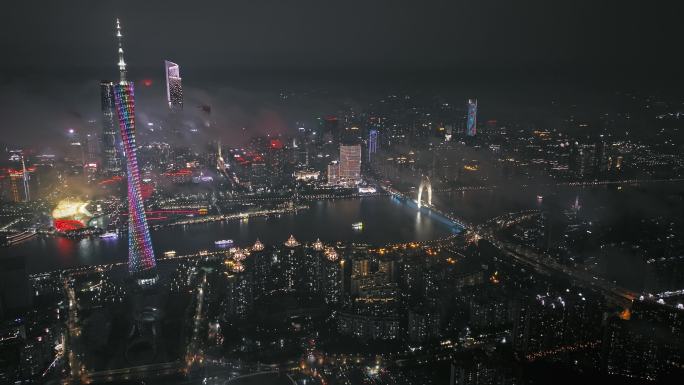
(122, 63)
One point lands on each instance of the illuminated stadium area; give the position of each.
(71, 214)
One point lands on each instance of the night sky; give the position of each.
(569, 36)
(55, 52)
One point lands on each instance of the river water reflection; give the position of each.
(385, 220)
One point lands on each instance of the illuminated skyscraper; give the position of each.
(333, 173)
(471, 126)
(141, 261)
(372, 143)
(174, 88)
(91, 143)
(350, 164)
(332, 276)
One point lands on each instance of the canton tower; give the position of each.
(141, 261)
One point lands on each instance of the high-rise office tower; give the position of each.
(141, 261)
(91, 142)
(372, 143)
(471, 126)
(174, 88)
(330, 129)
(350, 164)
(75, 154)
(258, 179)
(275, 162)
(334, 173)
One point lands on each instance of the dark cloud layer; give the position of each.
(40, 114)
(235, 54)
(604, 38)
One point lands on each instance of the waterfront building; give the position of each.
(306, 175)
(333, 173)
(350, 164)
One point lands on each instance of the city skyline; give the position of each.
(575, 63)
(385, 193)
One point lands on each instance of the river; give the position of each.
(385, 220)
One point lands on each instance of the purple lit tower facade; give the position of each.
(141, 261)
(471, 127)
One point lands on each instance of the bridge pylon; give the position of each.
(424, 183)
